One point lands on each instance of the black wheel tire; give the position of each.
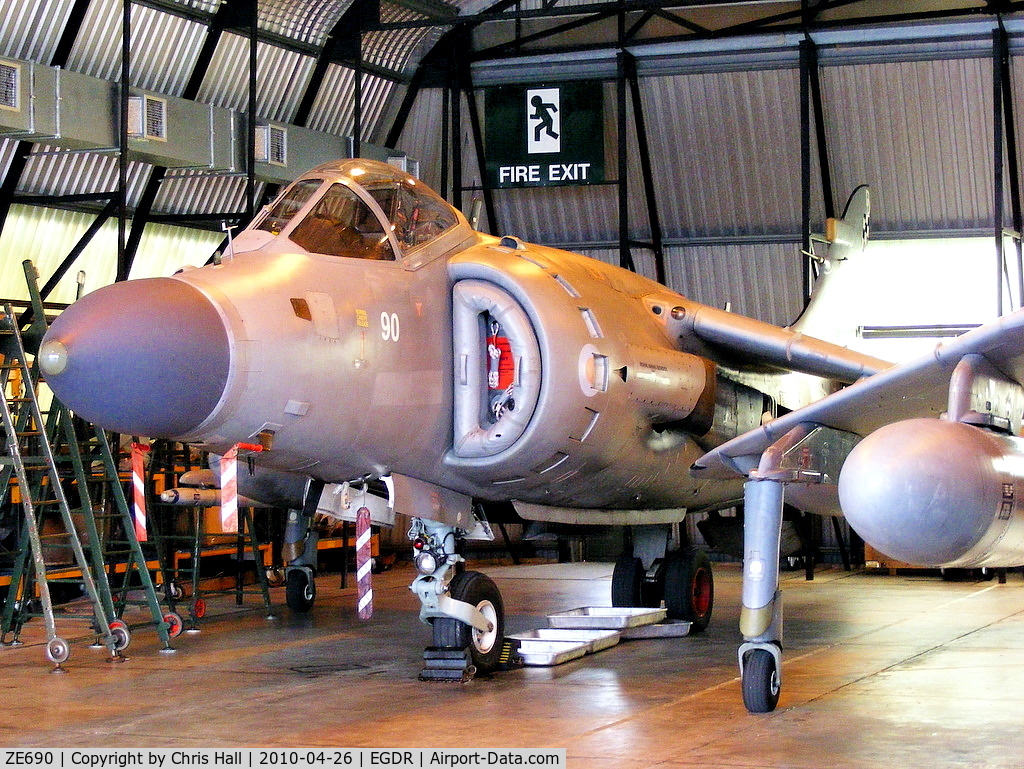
(484, 648)
(760, 681)
(627, 581)
(690, 588)
(300, 590)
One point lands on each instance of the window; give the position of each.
(417, 216)
(288, 205)
(341, 224)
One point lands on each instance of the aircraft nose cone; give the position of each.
(142, 357)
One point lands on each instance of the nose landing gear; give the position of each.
(464, 608)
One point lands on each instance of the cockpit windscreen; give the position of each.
(341, 224)
(288, 205)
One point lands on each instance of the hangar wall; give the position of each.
(908, 114)
(908, 109)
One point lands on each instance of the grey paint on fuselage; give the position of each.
(348, 364)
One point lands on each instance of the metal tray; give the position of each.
(596, 640)
(606, 617)
(670, 628)
(549, 653)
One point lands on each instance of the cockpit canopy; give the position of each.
(360, 209)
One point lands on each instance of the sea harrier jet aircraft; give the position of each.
(388, 356)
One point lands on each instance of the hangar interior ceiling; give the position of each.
(744, 125)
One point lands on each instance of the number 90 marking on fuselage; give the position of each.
(390, 328)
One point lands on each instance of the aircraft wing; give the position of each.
(915, 389)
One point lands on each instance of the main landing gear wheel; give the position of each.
(627, 581)
(300, 590)
(484, 646)
(760, 681)
(690, 588)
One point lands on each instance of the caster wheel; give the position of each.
(300, 590)
(122, 635)
(58, 651)
(174, 624)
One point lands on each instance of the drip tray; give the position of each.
(606, 617)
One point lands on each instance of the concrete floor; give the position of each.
(881, 671)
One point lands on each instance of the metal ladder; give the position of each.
(114, 548)
(30, 456)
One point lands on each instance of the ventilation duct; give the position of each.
(73, 111)
(178, 133)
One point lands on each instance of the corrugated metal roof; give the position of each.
(726, 142)
(30, 29)
(281, 77)
(308, 21)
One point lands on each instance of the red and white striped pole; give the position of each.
(363, 563)
(229, 485)
(139, 490)
(229, 491)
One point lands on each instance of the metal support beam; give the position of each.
(250, 143)
(625, 255)
(805, 166)
(456, 144)
(812, 118)
(645, 166)
(144, 208)
(123, 266)
(80, 246)
(1010, 134)
(465, 75)
(446, 141)
(997, 168)
(821, 140)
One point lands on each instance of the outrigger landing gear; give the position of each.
(649, 573)
(300, 553)
(760, 656)
(464, 607)
(801, 456)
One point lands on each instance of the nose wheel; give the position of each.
(484, 646)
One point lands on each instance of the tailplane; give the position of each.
(846, 238)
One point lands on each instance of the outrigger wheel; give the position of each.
(58, 651)
(683, 579)
(760, 681)
(484, 647)
(300, 589)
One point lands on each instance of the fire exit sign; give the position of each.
(538, 136)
